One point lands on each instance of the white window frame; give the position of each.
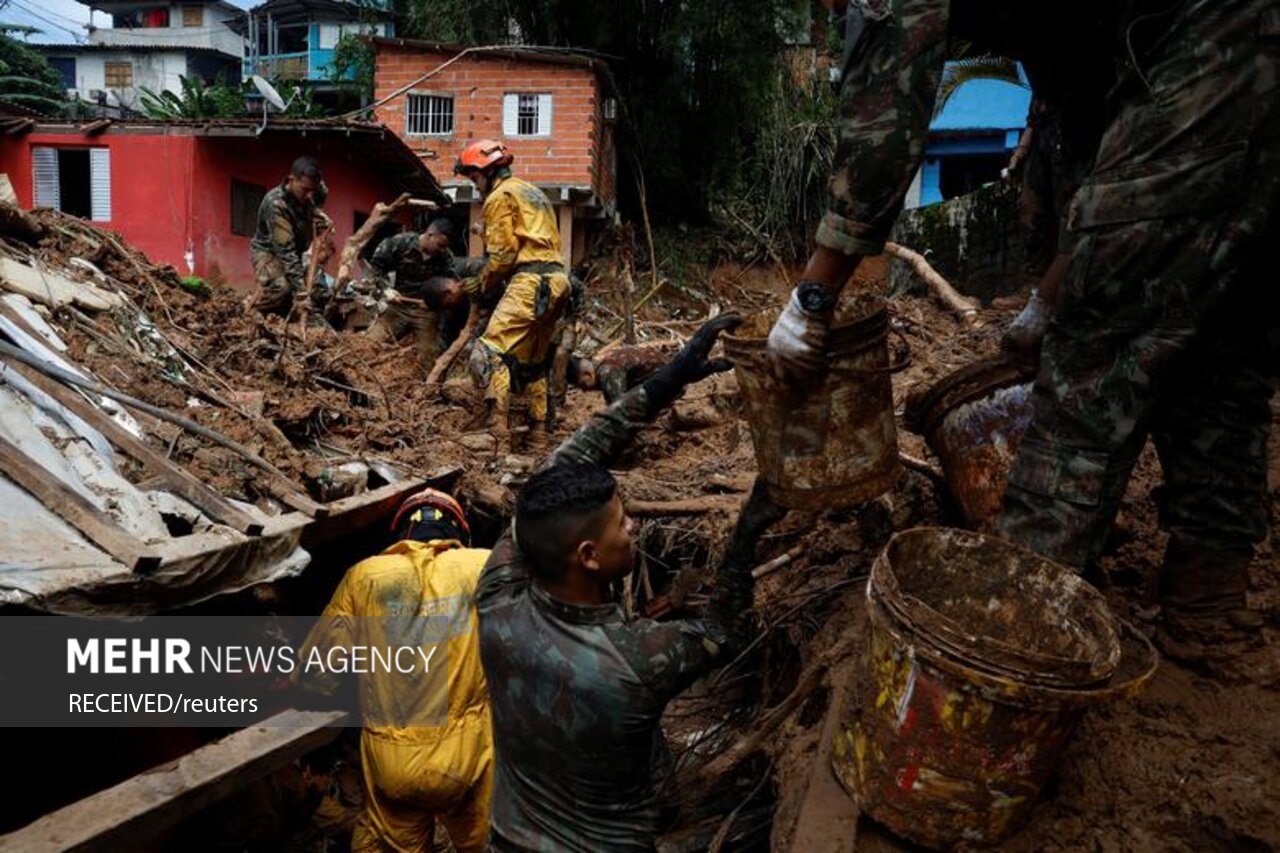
(427, 117)
(330, 33)
(47, 180)
(516, 103)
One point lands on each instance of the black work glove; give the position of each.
(690, 365)
(758, 514)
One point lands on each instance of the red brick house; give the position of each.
(187, 192)
(549, 106)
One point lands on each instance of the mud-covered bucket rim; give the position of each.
(930, 627)
(1138, 663)
(925, 410)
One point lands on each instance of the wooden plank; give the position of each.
(125, 816)
(359, 512)
(98, 527)
(828, 821)
(288, 494)
(175, 478)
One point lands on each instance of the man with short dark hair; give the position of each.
(425, 282)
(286, 223)
(577, 690)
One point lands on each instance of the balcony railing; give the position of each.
(280, 66)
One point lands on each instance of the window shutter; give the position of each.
(510, 115)
(100, 184)
(544, 115)
(44, 165)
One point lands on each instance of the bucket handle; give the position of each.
(880, 371)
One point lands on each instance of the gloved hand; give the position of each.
(1022, 338)
(797, 342)
(690, 365)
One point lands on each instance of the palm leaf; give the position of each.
(961, 71)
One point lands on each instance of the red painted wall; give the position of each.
(172, 193)
(571, 157)
(149, 188)
(355, 184)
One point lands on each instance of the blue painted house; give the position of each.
(971, 139)
(295, 39)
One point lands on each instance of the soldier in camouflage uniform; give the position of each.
(619, 369)
(1165, 325)
(577, 691)
(286, 225)
(430, 298)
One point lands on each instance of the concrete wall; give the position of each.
(155, 70)
(212, 32)
(975, 241)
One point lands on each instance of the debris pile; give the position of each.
(1186, 766)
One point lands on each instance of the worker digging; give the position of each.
(852, 428)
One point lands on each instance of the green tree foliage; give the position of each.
(353, 63)
(694, 78)
(26, 78)
(197, 100)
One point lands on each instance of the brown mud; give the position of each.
(1193, 764)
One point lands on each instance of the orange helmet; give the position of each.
(482, 155)
(409, 512)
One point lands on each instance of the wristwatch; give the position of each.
(813, 298)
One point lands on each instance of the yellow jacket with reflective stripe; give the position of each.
(435, 581)
(519, 228)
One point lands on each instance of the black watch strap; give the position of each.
(813, 298)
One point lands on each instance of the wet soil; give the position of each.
(1192, 764)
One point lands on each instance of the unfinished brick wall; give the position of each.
(572, 156)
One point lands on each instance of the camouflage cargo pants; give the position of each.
(275, 293)
(403, 316)
(1167, 320)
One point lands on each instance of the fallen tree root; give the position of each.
(689, 506)
(769, 722)
(963, 307)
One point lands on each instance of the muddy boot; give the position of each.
(536, 441)
(1205, 622)
(517, 422)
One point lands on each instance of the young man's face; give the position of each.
(453, 295)
(433, 241)
(614, 553)
(481, 181)
(302, 189)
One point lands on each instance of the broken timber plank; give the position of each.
(142, 807)
(54, 289)
(828, 820)
(98, 527)
(174, 478)
(360, 512)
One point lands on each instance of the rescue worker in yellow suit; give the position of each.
(441, 767)
(514, 355)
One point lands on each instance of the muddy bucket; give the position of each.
(973, 420)
(951, 740)
(829, 441)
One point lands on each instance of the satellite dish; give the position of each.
(268, 92)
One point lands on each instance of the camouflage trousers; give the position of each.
(401, 317)
(1166, 323)
(275, 292)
